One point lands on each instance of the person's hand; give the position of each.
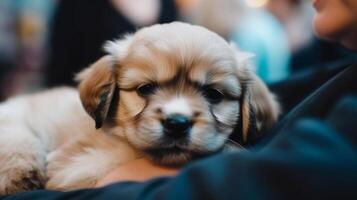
(137, 170)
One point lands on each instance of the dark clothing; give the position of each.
(313, 155)
(317, 53)
(301, 84)
(80, 28)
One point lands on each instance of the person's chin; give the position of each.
(325, 29)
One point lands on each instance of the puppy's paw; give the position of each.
(65, 173)
(21, 178)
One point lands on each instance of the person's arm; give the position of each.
(137, 170)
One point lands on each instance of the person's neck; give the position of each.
(349, 40)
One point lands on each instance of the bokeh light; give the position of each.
(256, 3)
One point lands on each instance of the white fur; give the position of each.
(243, 58)
(88, 167)
(118, 48)
(31, 126)
(177, 106)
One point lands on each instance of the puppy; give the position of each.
(171, 92)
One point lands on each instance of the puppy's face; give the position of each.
(176, 106)
(176, 90)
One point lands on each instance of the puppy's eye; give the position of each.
(213, 96)
(147, 89)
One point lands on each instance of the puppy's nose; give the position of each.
(177, 125)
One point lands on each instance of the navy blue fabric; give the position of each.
(312, 155)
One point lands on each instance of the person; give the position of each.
(81, 27)
(251, 29)
(269, 43)
(312, 154)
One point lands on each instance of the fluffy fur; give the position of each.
(182, 64)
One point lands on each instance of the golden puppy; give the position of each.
(171, 92)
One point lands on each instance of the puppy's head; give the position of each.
(175, 92)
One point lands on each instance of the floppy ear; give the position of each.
(259, 109)
(96, 88)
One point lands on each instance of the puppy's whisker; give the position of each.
(232, 146)
(232, 142)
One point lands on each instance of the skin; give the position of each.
(334, 20)
(137, 170)
(337, 20)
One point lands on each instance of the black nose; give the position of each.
(177, 125)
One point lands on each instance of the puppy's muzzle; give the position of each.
(177, 126)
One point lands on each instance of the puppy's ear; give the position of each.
(97, 86)
(259, 109)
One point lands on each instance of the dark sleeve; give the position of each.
(63, 46)
(169, 11)
(313, 159)
(301, 84)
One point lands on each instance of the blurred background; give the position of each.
(43, 43)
